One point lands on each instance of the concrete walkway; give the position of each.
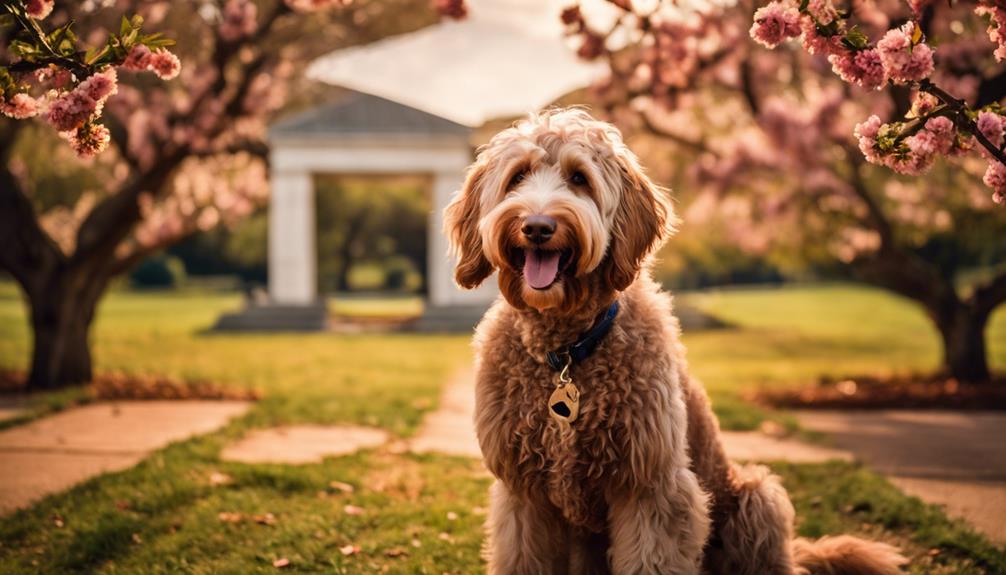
(450, 430)
(54, 453)
(954, 459)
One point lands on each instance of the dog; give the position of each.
(606, 454)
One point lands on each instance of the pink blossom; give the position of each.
(775, 22)
(138, 59)
(57, 77)
(822, 11)
(995, 178)
(39, 9)
(920, 65)
(990, 125)
(943, 132)
(997, 23)
(165, 64)
(239, 19)
(19, 107)
(71, 110)
(100, 86)
(815, 43)
(89, 140)
(314, 5)
(917, 153)
(866, 132)
(862, 68)
(923, 104)
(903, 61)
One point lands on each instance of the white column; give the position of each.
(443, 290)
(292, 251)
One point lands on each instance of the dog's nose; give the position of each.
(538, 229)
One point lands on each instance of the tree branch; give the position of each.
(907, 274)
(256, 148)
(120, 137)
(875, 213)
(748, 88)
(114, 218)
(27, 249)
(959, 107)
(990, 295)
(655, 128)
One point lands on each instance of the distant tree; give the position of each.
(370, 220)
(183, 156)
(777, 152)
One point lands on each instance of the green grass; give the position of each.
(162, 515)
(385, 380)
(794, 335)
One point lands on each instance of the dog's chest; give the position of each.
(573, 465)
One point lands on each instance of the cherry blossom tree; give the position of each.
(809, 123)
(183, 155)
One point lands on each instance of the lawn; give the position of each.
(422, 513)
(794, 335)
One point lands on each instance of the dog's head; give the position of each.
(560, 206)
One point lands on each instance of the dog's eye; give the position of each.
(516, 179)
(578, 179)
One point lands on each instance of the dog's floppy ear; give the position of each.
(643, 220)
(461, 224)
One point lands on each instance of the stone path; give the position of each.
(954, 459)
(12, 406)
(449, 430)
(303, 443)
(56, 452)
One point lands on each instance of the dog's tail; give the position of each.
(757, 538)
(846, 555)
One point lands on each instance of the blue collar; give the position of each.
(585, 345)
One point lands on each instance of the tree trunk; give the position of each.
(61, 316)
(963, 335)
(960, 321)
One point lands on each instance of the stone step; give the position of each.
(457, 319)
(272, 317)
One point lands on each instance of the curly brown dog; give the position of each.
(607, 456)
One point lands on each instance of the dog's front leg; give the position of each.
(524, 538)
(659, 530)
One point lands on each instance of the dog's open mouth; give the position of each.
(541, 268)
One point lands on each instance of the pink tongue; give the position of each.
(540, 268)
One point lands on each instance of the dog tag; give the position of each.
(564, 404)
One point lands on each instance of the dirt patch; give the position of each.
(119, 386)
(903, 392)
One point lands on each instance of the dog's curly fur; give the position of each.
(639, 482)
